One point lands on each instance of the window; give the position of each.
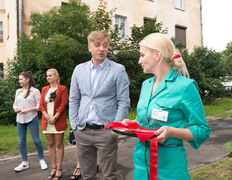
(147, 20)
(180, 32)
(8, 26)
(64, 4)
(1, 31)
(1, 70)
(120, 22)
(179, 4)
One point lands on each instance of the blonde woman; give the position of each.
(26, 105)
(53, 102)
(171, 102)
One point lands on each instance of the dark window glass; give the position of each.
(147, 20)
(1, 31)
(180, 34)
(63, 4)
(1, 70)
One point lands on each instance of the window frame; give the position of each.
(1, 32)
(122, 31)
(179, 2)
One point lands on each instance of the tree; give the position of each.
(58, 40)
(209, 70)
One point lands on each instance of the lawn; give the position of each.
(9, 141)
(221, 169)
(220, 108)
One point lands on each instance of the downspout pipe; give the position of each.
(20, 17)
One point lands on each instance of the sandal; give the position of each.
(50, 176)
(58, 177)
(98, 169)
(74, 176)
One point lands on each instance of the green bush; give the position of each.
(7, 93)
(207, 67)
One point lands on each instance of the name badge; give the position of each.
(160, 115)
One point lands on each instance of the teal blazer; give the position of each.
(178, 96)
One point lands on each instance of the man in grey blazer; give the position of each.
(99, 94)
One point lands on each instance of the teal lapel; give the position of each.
(169, 77)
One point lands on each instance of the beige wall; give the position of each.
(8, 16)
(41, 6)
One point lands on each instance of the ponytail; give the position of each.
(179, 64)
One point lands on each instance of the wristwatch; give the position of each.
(55, 118)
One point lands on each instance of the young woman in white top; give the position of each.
(26, 105)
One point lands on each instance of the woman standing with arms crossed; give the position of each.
(26, 105)
(53, 102)
(170, 102)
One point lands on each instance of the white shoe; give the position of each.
(43, 164)
(24, 165)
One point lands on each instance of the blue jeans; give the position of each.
(22, 133)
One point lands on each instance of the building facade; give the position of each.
(182, 19)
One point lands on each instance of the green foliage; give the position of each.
(207, 67)
(218, 170)
(102, 19)
(7, 92)
(58, 40)
(227, 54)
(229, 146)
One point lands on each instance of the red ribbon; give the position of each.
(177, 56)
(143, 134)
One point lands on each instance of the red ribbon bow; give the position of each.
(177, 56)
(143, 134)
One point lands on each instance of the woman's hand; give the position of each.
(52, 120)
(125, 121)
(47, 117)
(25, 111)
(17, 110)
(163, 133)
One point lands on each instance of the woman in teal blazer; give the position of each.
(171, 102)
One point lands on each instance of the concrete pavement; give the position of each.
(210, 151)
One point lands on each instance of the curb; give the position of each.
(31, 154)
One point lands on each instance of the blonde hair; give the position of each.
(161, 42)
(98, 35)
(55, 72)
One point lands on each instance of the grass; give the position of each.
(9, 144)
(221, 169)
(220, 108)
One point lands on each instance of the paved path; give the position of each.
(210, 151)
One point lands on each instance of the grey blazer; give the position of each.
(110, 100)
